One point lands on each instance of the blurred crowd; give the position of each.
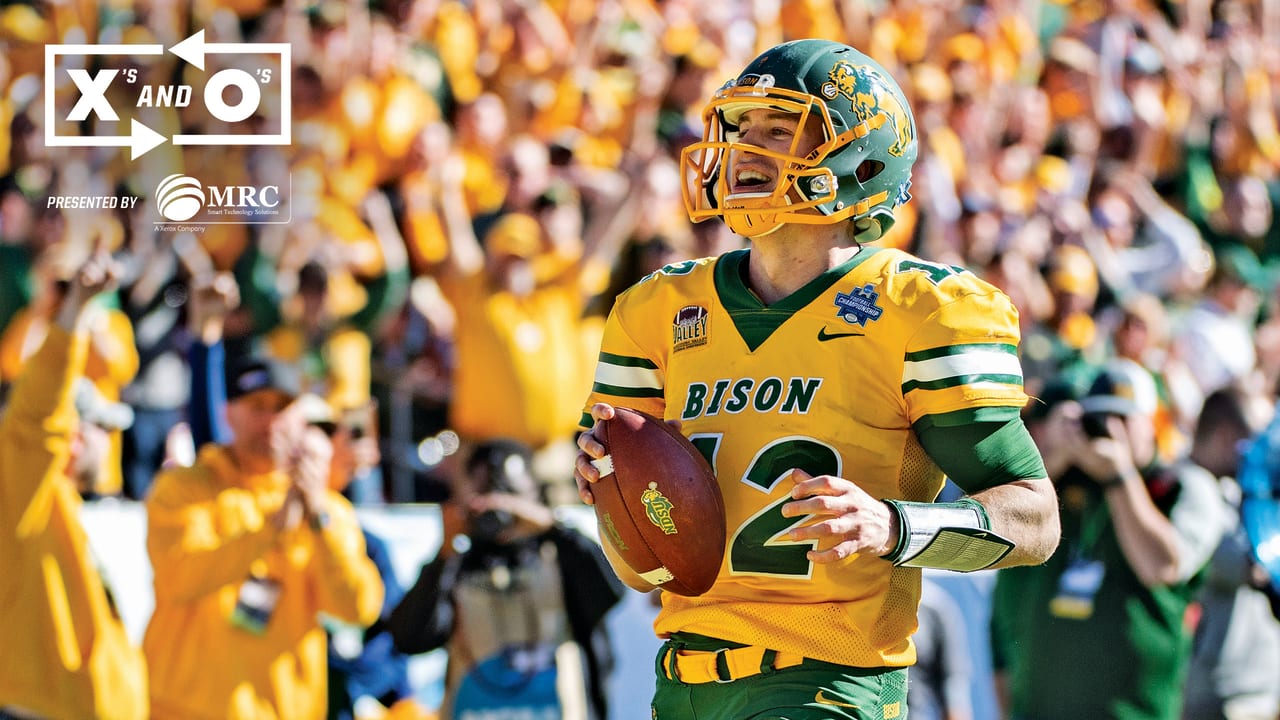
(472, 181)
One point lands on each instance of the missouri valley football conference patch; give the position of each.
(690, 328)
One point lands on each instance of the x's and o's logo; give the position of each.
(249, 95)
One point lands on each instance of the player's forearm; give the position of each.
(1024, 512)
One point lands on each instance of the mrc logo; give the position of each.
(180, 198)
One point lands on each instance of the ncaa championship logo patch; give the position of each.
(690, 328)
(859, 307)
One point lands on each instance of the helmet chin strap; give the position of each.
(756, 225)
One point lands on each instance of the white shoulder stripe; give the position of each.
(969, 363)
(629, 377)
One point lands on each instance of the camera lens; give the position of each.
(1095, 425)
(488, 525)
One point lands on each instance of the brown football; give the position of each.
(658, 503)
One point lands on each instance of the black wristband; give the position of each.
(897, 550)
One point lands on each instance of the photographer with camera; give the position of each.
(1099, 630)
(517, 599)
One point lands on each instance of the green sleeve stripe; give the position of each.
(586, 421)
(627, 361)
(958, 380)
(959, 349)
(984, 454)
(631, 392)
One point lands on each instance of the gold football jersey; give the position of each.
(830, 380)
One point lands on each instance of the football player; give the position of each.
(832, 386)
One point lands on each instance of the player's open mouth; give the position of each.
(750, 180)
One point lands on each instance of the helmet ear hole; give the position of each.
(868, 170)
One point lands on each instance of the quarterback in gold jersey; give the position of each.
(832, 386)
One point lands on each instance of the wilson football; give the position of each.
(658, 502)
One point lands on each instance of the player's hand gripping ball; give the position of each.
(658, 503)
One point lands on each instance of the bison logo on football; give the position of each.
(658, 508)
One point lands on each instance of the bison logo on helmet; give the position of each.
(873, 101)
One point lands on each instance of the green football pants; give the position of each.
(811, 690)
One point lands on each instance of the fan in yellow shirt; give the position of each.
(249, 546)
(65, 652)
(111, 363)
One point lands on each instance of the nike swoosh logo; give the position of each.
(824, 336)
(824, 700)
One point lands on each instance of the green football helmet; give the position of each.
(861, 170)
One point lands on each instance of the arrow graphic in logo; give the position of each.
(141, 139)
(193, 50)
